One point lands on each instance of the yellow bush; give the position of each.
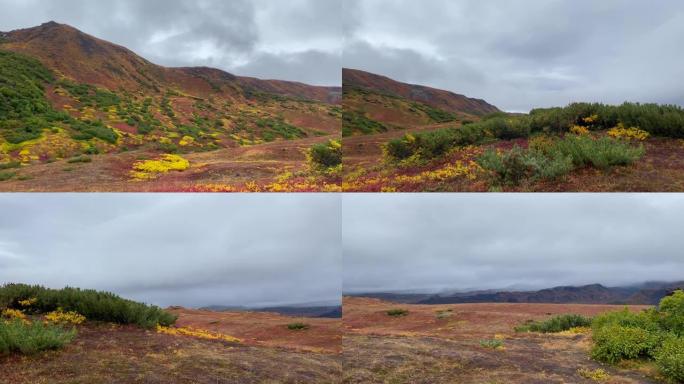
(28, 302)
(591, 119)
(598, 375)
(631, 133)
(61, 317)
(579, 130)
(198, 333)
(186, 140)
(150, 169)
(13, 314)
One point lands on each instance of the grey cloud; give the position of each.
(526, 54)
(439, 242)
(177, 250)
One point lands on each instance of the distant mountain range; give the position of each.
(295, 311)
(643, 294)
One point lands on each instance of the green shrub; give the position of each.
(398, 312)
(672, 312)
(86, 130)
(353, 122)
(600, 153)
(325, 157)
(10, 165)
(492, 343)
(613, 343)
(297, 326)
(4, 176)
(556, 324)
(94, 305)
(670, 358)
(27, 338)
(80, 159)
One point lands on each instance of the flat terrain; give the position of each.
(441, 344)
(105, 353)
(224, 169)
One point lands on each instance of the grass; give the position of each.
(598, 375)
(356, 122)
(79, 159)
(556, 324)
(397, 312)
(10, 165)
(4, 176)
(28, 338)
(94, 305)
(297, 326)
(492, 343)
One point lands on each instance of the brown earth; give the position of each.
(111, 172)
(106, 353)
(424, 348)
(267, 329)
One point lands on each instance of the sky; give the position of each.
(524, 54)
(297, 40)
(190, 250)
(430, 243)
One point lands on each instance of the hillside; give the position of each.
(68, 96)
(436, 98)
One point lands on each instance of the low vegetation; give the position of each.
(297, 326)
(492, 343)
(356, 122)
(555, 324)
(655, 334)
(325, 158)
(398, 312)
(26, 337)
(550, 158)
(93, 305)
(151, 169)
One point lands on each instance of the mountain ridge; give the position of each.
(648, 293)
(436, 98)
(88, 59)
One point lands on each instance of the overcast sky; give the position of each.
(521, 54)
(289, 40)
(190, 250)
(436, 242)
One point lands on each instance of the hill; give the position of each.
(67, 95)
(296, 311)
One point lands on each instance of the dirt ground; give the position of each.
(441, 344)
(260, 164)
(111, 354)
(267, 329)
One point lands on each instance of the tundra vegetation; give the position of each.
(654, 335)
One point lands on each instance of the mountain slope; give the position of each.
(66, 95)
(436, 98)
(87, 59)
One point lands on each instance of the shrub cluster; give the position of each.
(398, 312)
(643, 120)
(655, 334)
(17, 336)
(556, 324)
(325, 157)
(353, 122)
(94, 305)
(548, 159)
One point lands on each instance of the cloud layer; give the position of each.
(294, 40)
(192, 250)
(524, 54)
(434, 242)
